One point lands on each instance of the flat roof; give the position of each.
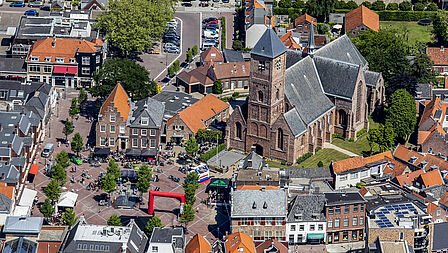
(395, 215)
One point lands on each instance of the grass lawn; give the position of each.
(416, 32)
(325, 155)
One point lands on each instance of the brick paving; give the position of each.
(165, 208)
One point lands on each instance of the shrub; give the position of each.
(304, 157)
(283, 162)
(432, 7)
(405, 6)
(317, 149)
(235, 94)
(237, 45)
(351, 139)
(298, 4)
(351, 5)
(323, 28)
(378, 6)
(205, 157)
(194, 50)
(392, 7)
(405, 15)
(361, 132)
(320, 164)
(367, 4)
(176, 65)
(419, 7)
(338, 136)
(171, 71)
(223, 32)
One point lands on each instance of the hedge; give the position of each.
(304, 157)
(286, 11)
(399, 15)
(223, 32)
(205, 157)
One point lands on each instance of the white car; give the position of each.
(170, 45)
(210, 34)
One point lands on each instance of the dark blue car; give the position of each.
(17, 4)
(32, 13)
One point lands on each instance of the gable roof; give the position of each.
(198, 244)
(195, 115)
(439, 55)
(212, 55)
(66, 48)
(289, 41)
(359, 161)
(408, 178)
(119, 99)
(362, 16)
(148, 108)
(231, 55)
(430, 161)
(432, 178)
(371, 78)
(305, 18)
(259, 203)
(239, 242)
(342, 49)
(230, 69)
(272, 245)
(269, 45)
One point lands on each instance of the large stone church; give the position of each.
(298, 101)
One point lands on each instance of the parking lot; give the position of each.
(88, 205)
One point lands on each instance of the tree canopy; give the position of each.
(47, 209)
(188, 214)
(440, 27)
(74, 108)
(114, 169)
(58, 172)
(68, 128)
(68, 218)
(131, 25)
(144, 176)
(63, 159)
(217, 87)
(383, 137)
(320, 9)
(114, 220)
(82, 97)
(77, 143)
(401, 114)
(154, 222)
(108, 183)
(190, 185)
(191, 147)
(133, 77)
(53, 190)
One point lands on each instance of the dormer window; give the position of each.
(60, 59)
(34, 58)
(144, 121)
(72, 60)
(48, 59)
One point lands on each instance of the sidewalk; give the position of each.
(344, 151)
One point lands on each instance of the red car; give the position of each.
(212, 22)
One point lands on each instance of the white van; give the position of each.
(48, 150)
(210, 34)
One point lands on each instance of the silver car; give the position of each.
(35, 4)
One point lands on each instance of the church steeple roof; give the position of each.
(269, 45)
(311, 46)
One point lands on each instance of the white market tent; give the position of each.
(67, 199)
(337, 27)
(27, 197)
(22, 211)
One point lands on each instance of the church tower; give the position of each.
(266, 90)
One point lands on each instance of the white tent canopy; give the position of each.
(27, 197)
(337, 27)
(22, 211)
(67, 199)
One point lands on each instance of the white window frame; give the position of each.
(152, 132)
(47, 69)
(111, 141)
(102, 128)
(144, 132)
(112, 128)
(85, 60)
(122, 129)
(34, 58)
(60, 59)
(85, 71)
(134, 142)
(152, 143)
(103, 141)
(112, 118)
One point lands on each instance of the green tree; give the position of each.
(191, 147)
(53, 190)
(440, 27)
(237, 45)
(392, 7)
(144, 176)
(367, 4)
(189, 56)
(47, 209)
(320, 164)
(217, 87)
(419, 7)
(58, 172)
(176, 65)
(114, 169)
(63, 159)
(132, 76)
(68, 128)
(82, 97)
(68, 218)
(351, 5)
(320, 9)
(188, 214)
(378, 6)
(401, 114)
(402, 81)
(385, 51)
(77, 143)
(285, 4)
(131, 25)
(190, 185)
(171, 71)
(74, 108)
(432, 7)
(298, 4)
(194, 50)
(405, 6)
(323, 28)
(154, 222)
(108, 183)
(340, 5)
(114, 220)
(383, 137)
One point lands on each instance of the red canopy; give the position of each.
(34, 169)
(65, 70)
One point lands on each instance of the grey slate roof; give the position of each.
(12, 65)
(259, 203)
(175, 101)
(18, 161)
(342, 49)
(311, 173)
(309, 207)
(257, 161)
(292, 57)
(9, 174)
(295, 122)
(23, 225)
(269, 45)
(164, 235)
(424, 91)
(148, 108)
(340, 198)
(338, 78)
(231, 55)
(371, 78)
(5, 204)
(439, 241)
(304, 91)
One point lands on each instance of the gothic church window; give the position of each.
(280, 139)
(260, 96)
(238, 130)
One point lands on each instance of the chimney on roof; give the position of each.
(441, 48)
(53, 42)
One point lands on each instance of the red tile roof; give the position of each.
(359, 161)
(119, 99)
(439, 55)
(408, 178)
(195, 115)
(6, 190)
(268, 244)
(444, 199)
(65, 48)
(362, 16)
(432, 178)
(198, 244)
(436, 105)
(289, 41)
(231, 69)
(305, 18)
(239, 242)
(212, 55)
(404, 154)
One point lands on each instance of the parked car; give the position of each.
(173, 41)
(173, 50)
(32, 12)
(211, 26)
(171, 37)
(212, 22)
(48, 150)
(76, 160)
(170, 45)
(203, 4)
(211, 42)
(210, 34)
(37, 4)
(209, 20)
(17, 4)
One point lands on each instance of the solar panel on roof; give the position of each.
(390, 226)
(383, 226)
(405, 212)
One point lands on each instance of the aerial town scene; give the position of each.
(224, 126)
